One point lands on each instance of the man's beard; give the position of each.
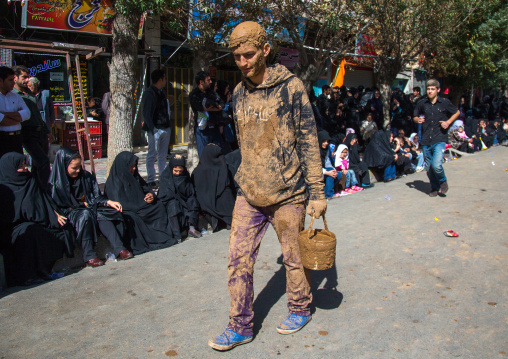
(258, 67)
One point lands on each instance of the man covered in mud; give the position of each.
(280, 170)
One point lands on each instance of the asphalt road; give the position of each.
(400, 288)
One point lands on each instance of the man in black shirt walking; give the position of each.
(436, 114)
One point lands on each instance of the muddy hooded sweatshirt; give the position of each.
(276, 131)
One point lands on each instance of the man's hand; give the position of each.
(470, 140)
(420, 119)
(444, 124)
(317, 208)
(149, 198)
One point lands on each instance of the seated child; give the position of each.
(458, 138)
(331, 176)
(213, 105)
(414, 142)
(341, 165)
(177, 193)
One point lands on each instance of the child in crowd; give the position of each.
(341, 165)
(331, 176)
(458, 138)
(414, 143)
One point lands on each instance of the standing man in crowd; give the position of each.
(417, 95)
(157, 124)
(13, 111)
(435, 114)
(323, 101)
(34, 131)
(197, 99)
(280, 170)
(44, 104)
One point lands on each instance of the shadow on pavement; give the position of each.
(420, 186)
(266, 299)
(327, 297)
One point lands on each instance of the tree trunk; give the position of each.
(386, 73)
(308, 75)
(201, 62)
(311, 72)
(122, 80)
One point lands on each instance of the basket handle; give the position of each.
(312, 223)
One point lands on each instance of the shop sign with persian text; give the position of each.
(92, 16)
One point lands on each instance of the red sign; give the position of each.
(93, 16)
(365, 46)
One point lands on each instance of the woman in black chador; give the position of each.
(177, 193)
(355, 163)
(31, 235)
(77, 195)
(214, 186)
(379, 155)
(145, 217)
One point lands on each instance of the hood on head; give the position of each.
(341, 148)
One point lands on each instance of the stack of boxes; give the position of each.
(69, 138)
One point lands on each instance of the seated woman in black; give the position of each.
(31, 235)
(146, 220)
(379, 155)
(214, 186)
(177, 193)
(403, 151)
(355, 163)
(77, 195)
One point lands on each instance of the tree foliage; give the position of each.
(321, 31)
(476, 54)
(403, 29)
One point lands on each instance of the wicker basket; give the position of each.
(317, 247)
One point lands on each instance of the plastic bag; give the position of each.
(202, 120)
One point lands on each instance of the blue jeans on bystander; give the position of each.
(433, 155)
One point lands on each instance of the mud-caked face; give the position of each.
(250, 59)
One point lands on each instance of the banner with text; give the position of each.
(92, 16)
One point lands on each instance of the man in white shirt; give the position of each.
(13, 111)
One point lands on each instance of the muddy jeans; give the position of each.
(247, 229)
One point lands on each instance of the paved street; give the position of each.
(400, 289)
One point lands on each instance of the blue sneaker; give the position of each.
(293, 323)
(228, 340)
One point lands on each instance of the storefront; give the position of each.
(87, 24)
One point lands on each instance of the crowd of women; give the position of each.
(38, 226)
(350, 121)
